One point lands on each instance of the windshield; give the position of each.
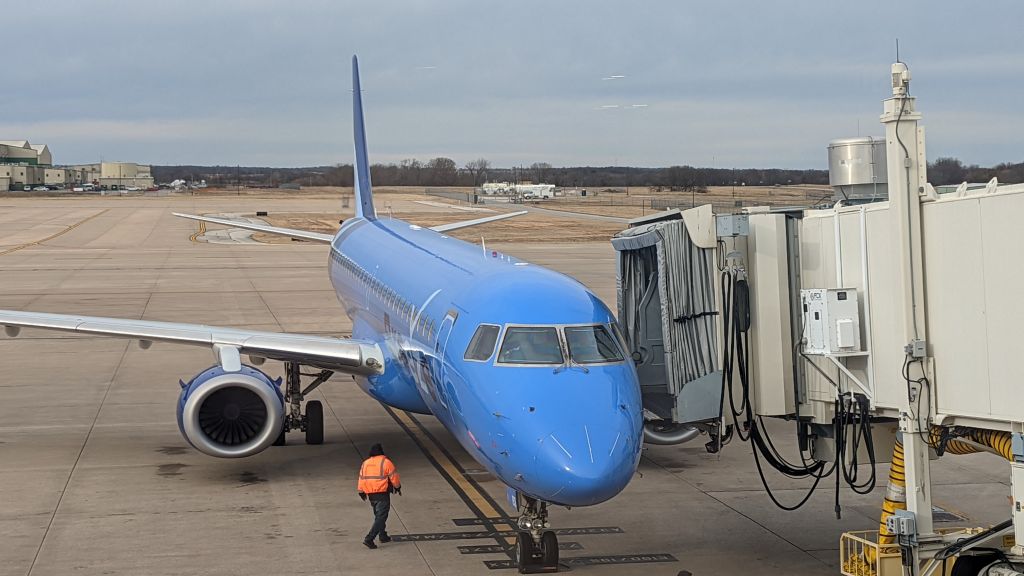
(482, 345)
(591, 345)
(531, 345)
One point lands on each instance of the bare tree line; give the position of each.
(442, 171)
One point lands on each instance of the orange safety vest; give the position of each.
(378, 475)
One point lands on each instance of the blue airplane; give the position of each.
(523, 365)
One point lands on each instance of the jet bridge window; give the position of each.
(591, 345)
(531, 345)
(481, 346)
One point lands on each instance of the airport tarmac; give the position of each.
(97, 480)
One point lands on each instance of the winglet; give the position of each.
(364, 192)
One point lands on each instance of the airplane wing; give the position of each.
(468, 223)
(300, 234)
(359, 357)
(327, 238)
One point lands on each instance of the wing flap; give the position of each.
(468, 223)
(300, 234)
(359, 357)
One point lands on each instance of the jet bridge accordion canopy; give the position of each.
(667, 309)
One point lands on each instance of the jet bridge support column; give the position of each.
(906, 161)
(1017, 501)
(918, 473)
(907, 165)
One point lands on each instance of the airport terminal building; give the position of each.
(24, 166)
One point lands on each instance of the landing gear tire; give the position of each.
(281, 438)
(549, 550)
(525, 549)
(314, 422)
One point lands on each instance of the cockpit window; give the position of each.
(531, 345)
(481, 346)
(591, 345)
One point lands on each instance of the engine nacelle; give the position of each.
(231, 414)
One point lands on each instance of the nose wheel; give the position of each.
(536, 549)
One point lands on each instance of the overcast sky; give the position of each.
(729, 84)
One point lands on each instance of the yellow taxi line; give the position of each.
(52, 236)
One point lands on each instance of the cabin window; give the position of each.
(591, 345)
(531, 345)
(481, 346)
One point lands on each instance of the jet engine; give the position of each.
(231, 414)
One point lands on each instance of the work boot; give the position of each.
(369, 544)
(384, 538)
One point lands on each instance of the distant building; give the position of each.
(17, 176)
(22, 164)
(116, 175)
(29, 165)
(21, 152)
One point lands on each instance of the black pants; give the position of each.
(381, 507)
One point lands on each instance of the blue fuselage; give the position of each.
(569, 434)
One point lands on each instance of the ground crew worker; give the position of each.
(378, 478)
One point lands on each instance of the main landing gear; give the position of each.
(312, 422)
(536, 547)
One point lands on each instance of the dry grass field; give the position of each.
(415, 207)
(413, 204)
(526, 228)
(641, 201)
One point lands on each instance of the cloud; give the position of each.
(748, 83)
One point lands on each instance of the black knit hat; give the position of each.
(376, 450)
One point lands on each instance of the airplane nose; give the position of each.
(586, 463)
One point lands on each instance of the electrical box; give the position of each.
(729, 225)
(831, 319)
(902, 523)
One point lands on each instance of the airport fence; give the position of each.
(467, 197)
(670, 204)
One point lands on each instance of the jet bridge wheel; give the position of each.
(973, 564)
(314, 422)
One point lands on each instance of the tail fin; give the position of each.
(364, 192)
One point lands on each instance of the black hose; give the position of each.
(851, 423)
(736, 361)
(741, 301)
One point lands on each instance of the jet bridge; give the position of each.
(886, 330)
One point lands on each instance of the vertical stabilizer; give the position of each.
(364, 192)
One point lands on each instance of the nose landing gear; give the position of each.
(536, 547)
